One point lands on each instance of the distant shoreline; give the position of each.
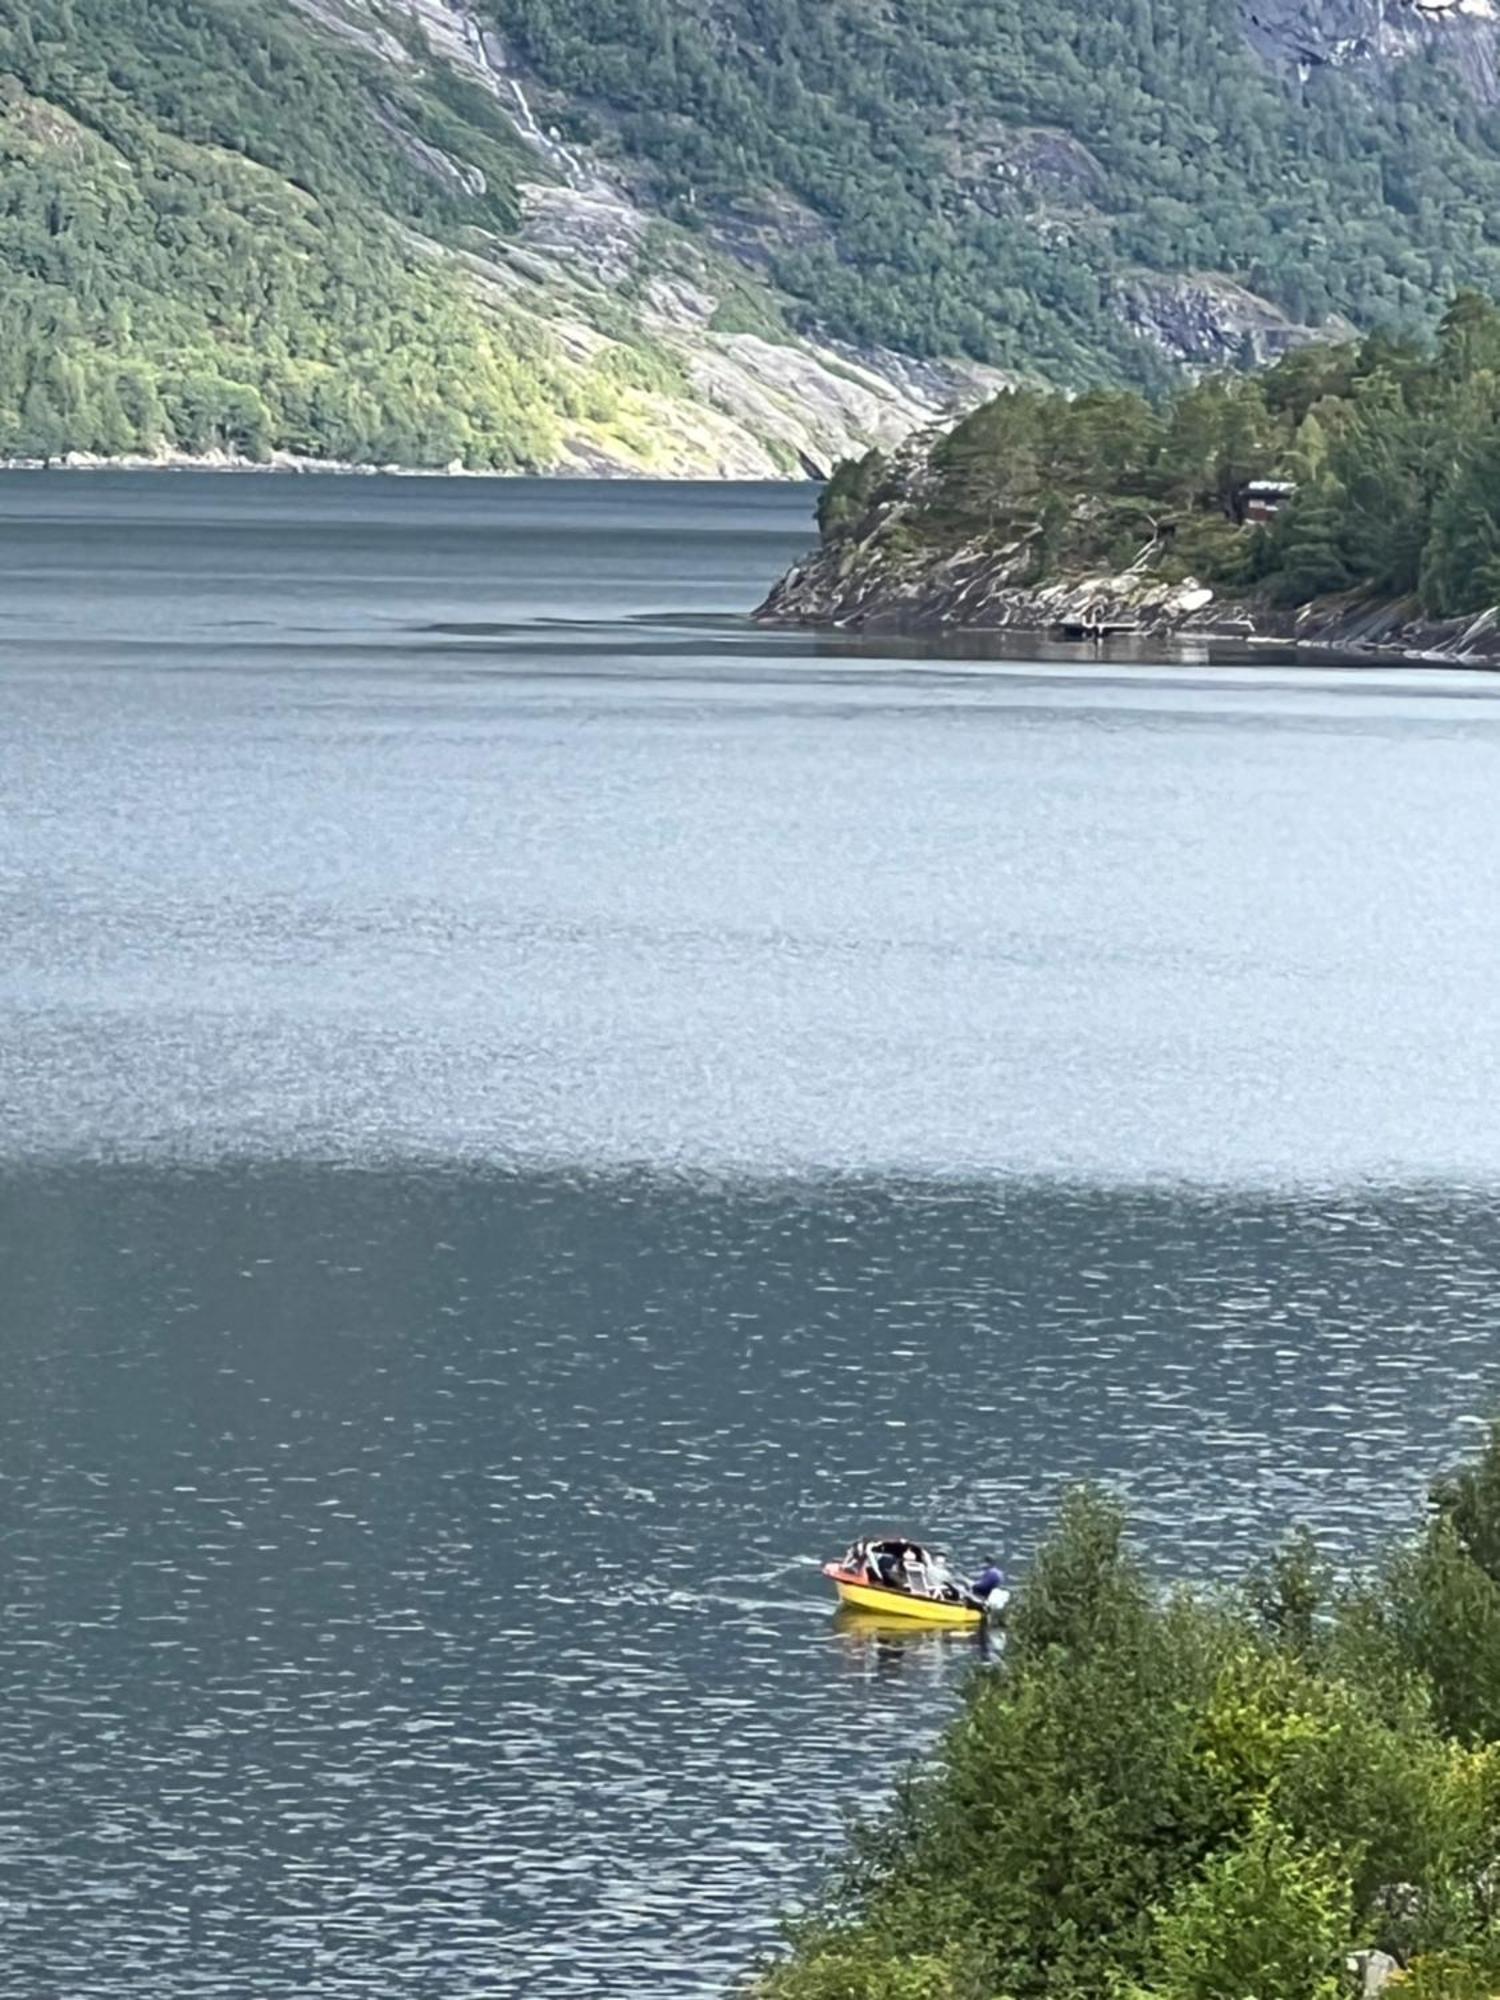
(290, 463)
(278, 462)
(1333, 642)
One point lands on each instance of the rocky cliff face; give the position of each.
(1306, 35)
(884, 583)
(980, 590)
(1210, 322)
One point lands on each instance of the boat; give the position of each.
(860, 1594)
(900, 1579)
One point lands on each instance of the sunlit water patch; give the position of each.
(392, 819)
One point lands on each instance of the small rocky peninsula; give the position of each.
(1329, 502)
(879, 583)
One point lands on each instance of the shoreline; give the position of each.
(292, 464)
(279, 462)
(275, 465)
(1118, 646)
(967, 597)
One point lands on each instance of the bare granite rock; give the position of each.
(1211, 322)
(980, 586)
(597, 229)
(1372, 34)
(889, 582)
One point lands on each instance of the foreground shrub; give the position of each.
(1267, 1917)
(1199, 1796)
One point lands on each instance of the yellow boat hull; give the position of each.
(898, 1603)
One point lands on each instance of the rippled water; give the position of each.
(531, 1112)
(408, 1576)
(394, 817)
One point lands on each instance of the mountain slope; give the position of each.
(243, 227)
(711, 236)
(1015, 180)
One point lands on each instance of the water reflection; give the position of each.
(873, 1646)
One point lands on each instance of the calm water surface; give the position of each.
(523, 1095)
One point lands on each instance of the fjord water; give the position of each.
(532, 1110)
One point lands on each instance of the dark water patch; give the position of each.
(415, 1568)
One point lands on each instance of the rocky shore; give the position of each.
(892, 584)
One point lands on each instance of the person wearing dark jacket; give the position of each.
(990, 1579)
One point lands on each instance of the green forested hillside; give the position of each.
(198, 234)
(227, 226)
(257, 224)
(940, 212)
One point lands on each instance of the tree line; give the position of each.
(1391, 446)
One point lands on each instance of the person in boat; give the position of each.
(990, 1579)
(942, 1582)
(885, 1565)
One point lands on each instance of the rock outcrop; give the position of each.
(1370, 34)
(888, 582)
(1372, 1972)
(1208, 322)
